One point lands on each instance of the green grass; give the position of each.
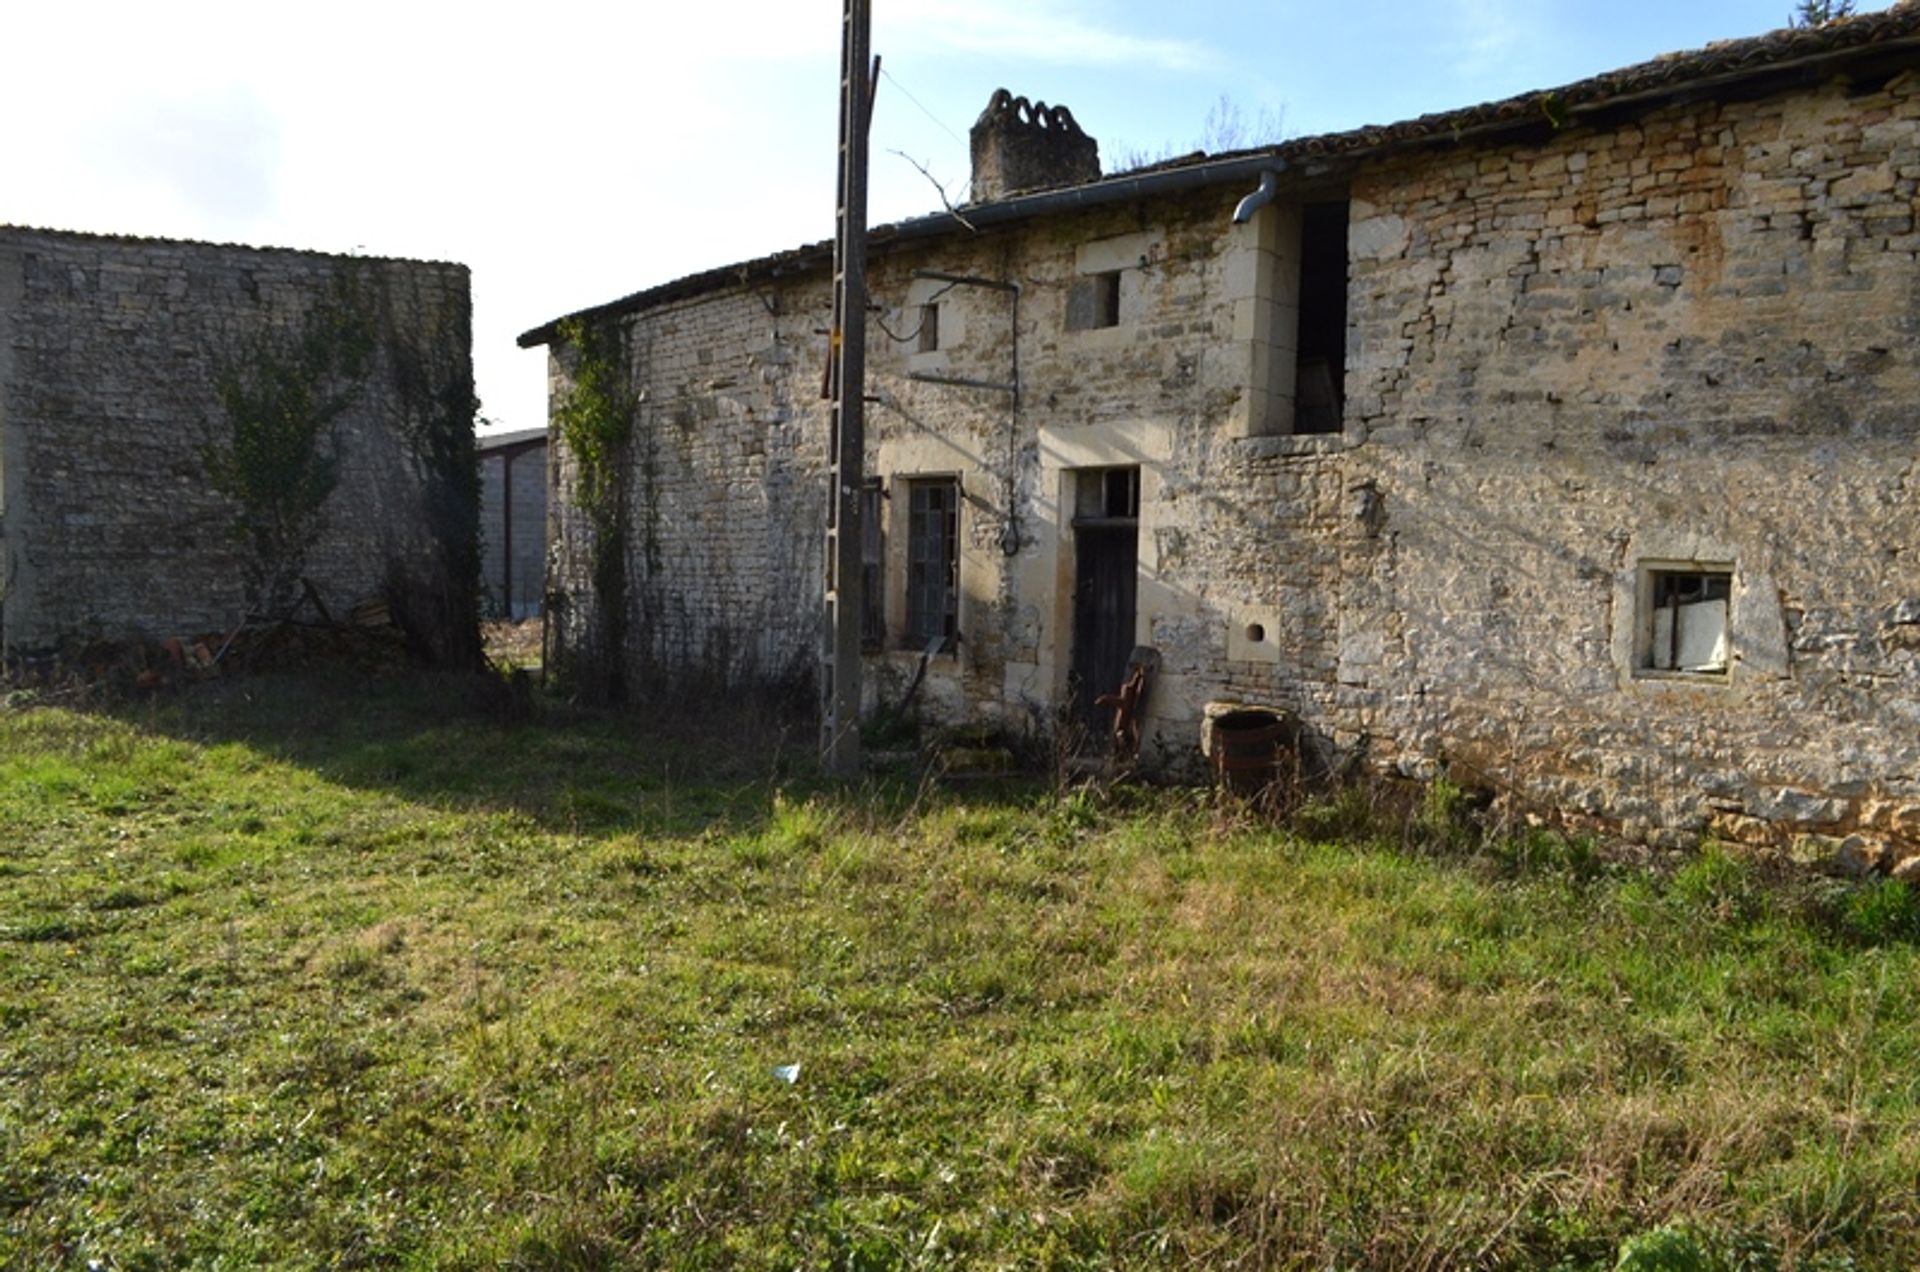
(302, 973)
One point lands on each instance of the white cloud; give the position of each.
(212, 153)
(1026, 32)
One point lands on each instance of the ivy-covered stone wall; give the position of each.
(150, 484)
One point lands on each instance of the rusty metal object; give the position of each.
(1127, 703)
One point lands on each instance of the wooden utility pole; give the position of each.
(847, 354)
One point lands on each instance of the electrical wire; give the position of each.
(887, 75)
(874, 312)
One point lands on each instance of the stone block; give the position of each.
(1797, 807)
(1859, 857)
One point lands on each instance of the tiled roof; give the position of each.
(1715, 69)
(1724, 61)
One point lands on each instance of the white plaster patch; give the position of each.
(1253, 635)
(1122, 252)
(1378, 238)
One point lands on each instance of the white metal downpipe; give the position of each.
(1269, 187)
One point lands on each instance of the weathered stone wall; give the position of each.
(110, 353)
(727, 474)
(1684, 338)
(725, 496)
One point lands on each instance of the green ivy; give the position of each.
(433, 384)
(273, 453)
(596, 418)
(595, 421)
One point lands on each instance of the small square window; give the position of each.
(929, 328)
(1093, 302)
(1685, 626)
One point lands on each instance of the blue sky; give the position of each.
(572, 152)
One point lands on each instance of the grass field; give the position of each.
(318, 973)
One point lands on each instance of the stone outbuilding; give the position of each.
(513, 522)
(1566, 442)
(147, 486)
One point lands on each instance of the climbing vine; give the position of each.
(595, 421)
(273, 451)
(433, 383)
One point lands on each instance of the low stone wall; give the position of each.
(113, 354)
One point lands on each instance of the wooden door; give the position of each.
(1106, 573)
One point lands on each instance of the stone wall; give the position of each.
(111, 351)
(1682, 339)
(725, 491)
(1689, 338)
(727, 474)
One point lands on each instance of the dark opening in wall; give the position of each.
(929, 328)
(1321, 367)
(1094, 302)
(1120, 492)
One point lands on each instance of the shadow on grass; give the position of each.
(444, 740)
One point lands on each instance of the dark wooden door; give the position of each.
(1106, 573)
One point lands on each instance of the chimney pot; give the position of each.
(1021, 146)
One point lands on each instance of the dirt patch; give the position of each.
(513, 644)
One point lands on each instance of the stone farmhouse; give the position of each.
(119, 358)
(1567, 442)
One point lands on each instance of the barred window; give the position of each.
(933, 562)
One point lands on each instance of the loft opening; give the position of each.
(1320, 361)
(1296, 314)
(1093, 302)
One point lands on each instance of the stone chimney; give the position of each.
(1021, 146)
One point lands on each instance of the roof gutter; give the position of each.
(1143, 185)
(1122, 189)
(1269, 189)
(1429, 133)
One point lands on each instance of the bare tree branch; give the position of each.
(940, 189)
